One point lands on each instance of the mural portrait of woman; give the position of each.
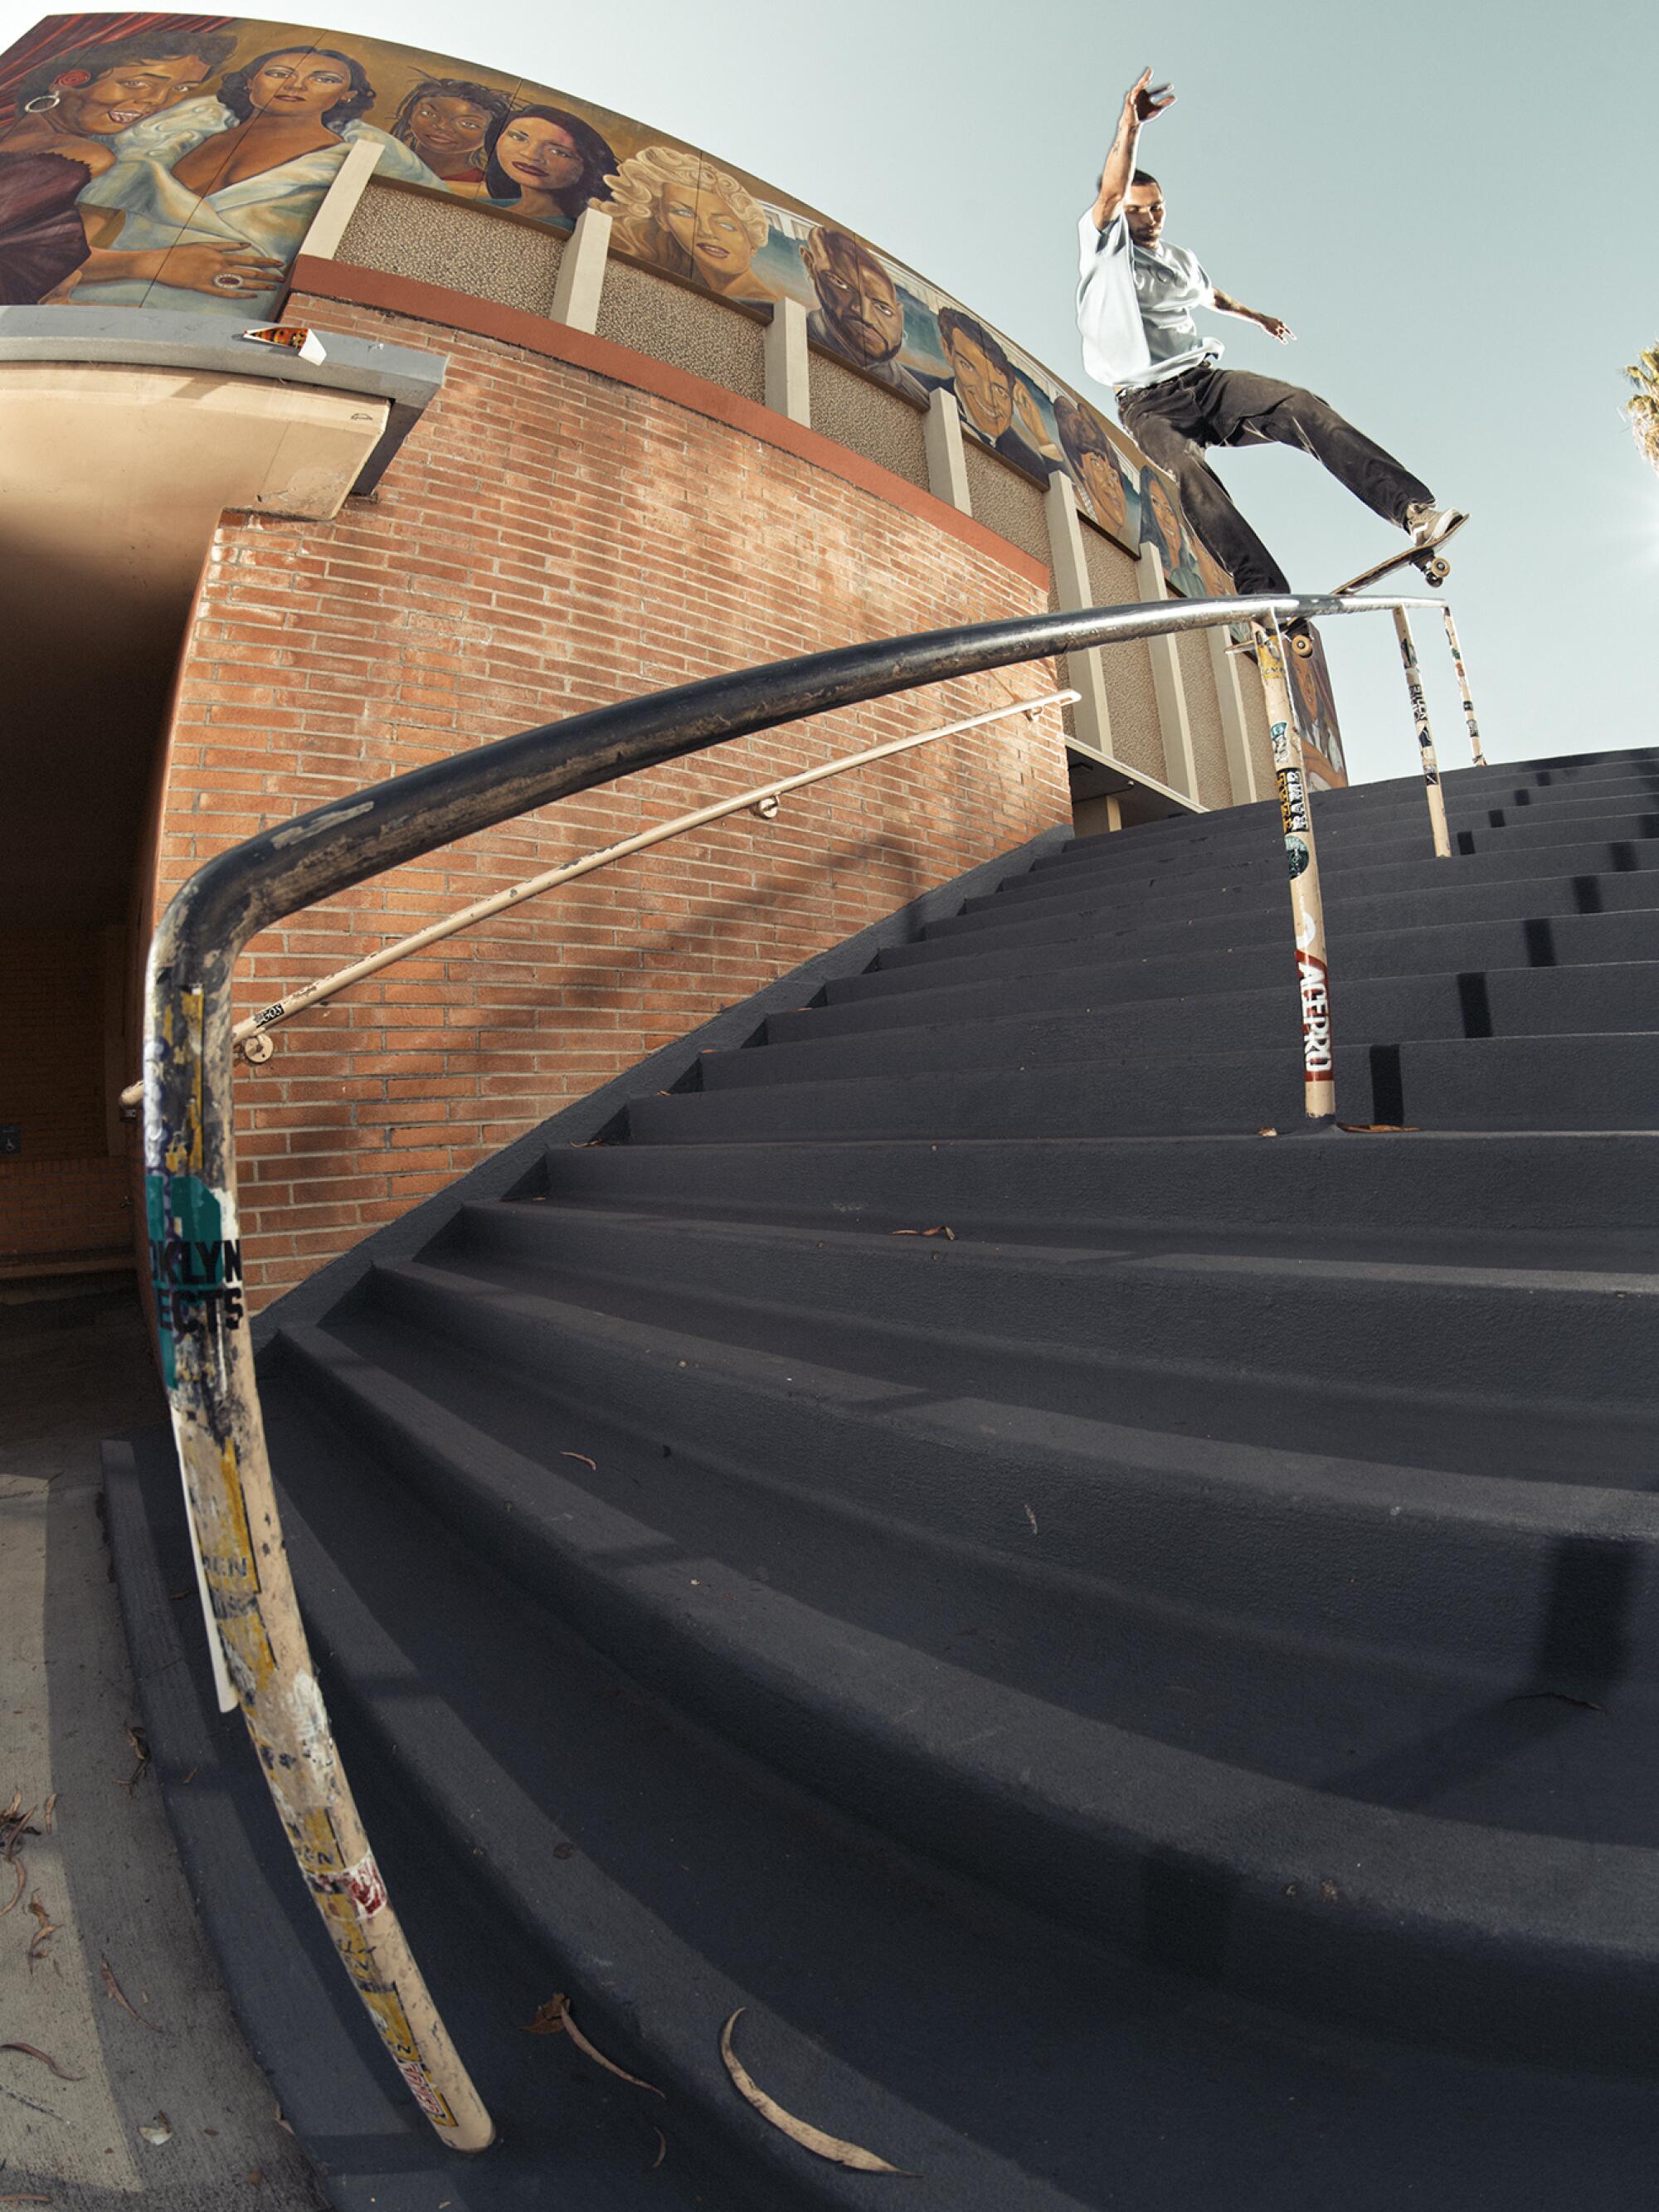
(675, 212)
(1092, 466)
(548, 163)
(444, 122)
(1160, 526)
(213, 197)
(69, 112)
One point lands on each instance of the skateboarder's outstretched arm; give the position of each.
(1224, 304)
(1140, 104)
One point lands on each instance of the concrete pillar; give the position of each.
(947, 465)
(1180, 768)
(580, 279)
(788, 367)
(339, 201)
(1235, 729)
(1092, 719)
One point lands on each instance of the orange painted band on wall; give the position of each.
(461, 311)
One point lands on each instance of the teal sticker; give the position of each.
(1296, 852)
(195, 1268)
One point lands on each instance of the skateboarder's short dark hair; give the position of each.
(1145, 177)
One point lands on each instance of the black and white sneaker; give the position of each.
(1428, 523)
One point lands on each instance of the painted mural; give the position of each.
(1313, 703)
(177, 161)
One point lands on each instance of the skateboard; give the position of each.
(1428, 558)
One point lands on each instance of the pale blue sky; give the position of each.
(1449, 200)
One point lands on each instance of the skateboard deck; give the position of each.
(1428, 558)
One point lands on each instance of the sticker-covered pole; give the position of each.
(1307, 908)
(207, 1364)
(1463, 688)
(1402, 631)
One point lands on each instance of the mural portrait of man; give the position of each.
(983, 379)
(860, 314)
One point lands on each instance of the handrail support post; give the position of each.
(1313, 972)
(1463, 688)
(1402, 631)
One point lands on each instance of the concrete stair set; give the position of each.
(1126, 1642)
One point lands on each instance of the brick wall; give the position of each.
(551, 540)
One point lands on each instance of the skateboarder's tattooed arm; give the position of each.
(1224, 304)
(1140, 104)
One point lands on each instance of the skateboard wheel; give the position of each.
(1302, 646)
(1437, 570)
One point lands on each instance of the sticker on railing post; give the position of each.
(195, 1268)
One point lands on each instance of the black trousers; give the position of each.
(1174, 422)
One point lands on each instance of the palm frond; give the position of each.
(1642, 412)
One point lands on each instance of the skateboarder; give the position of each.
(1134, 308)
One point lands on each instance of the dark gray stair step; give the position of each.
(1518, 1332)
(1307, 1711)
(1240, 832)
(1039, 985)
(1591, 1195)
(1241, 967)
(1226, 1091)
(1197, 884)
(1587, 1082)
(1196, 2068)
(655, 1948)
(1513, 784)
(1451, 899)
(1215, 1022)
(1638, 822)
(1331, 1547)
(555, 2112)
(1496, 1002)
(1464, 788)
(1394, 864)
(1065, 1813)
(1237, 858)
(1234, 919)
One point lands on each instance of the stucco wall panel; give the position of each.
(449, 241)
(878, 424)
(1204, 719)
(630, 545)
(1007, 502)
(1136, 738)
(684, 329)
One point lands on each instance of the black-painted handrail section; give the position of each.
(260, 1655)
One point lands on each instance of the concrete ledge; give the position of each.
(406, 379)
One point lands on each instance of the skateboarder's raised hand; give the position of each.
(1142, 102)
(1148, 99)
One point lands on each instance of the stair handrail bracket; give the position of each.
(261, 1656)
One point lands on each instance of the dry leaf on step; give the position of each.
(29, 2051)
(555, 2014)
(800, 2131)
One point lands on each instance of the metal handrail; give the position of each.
(261, 1656)
(761, 800)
